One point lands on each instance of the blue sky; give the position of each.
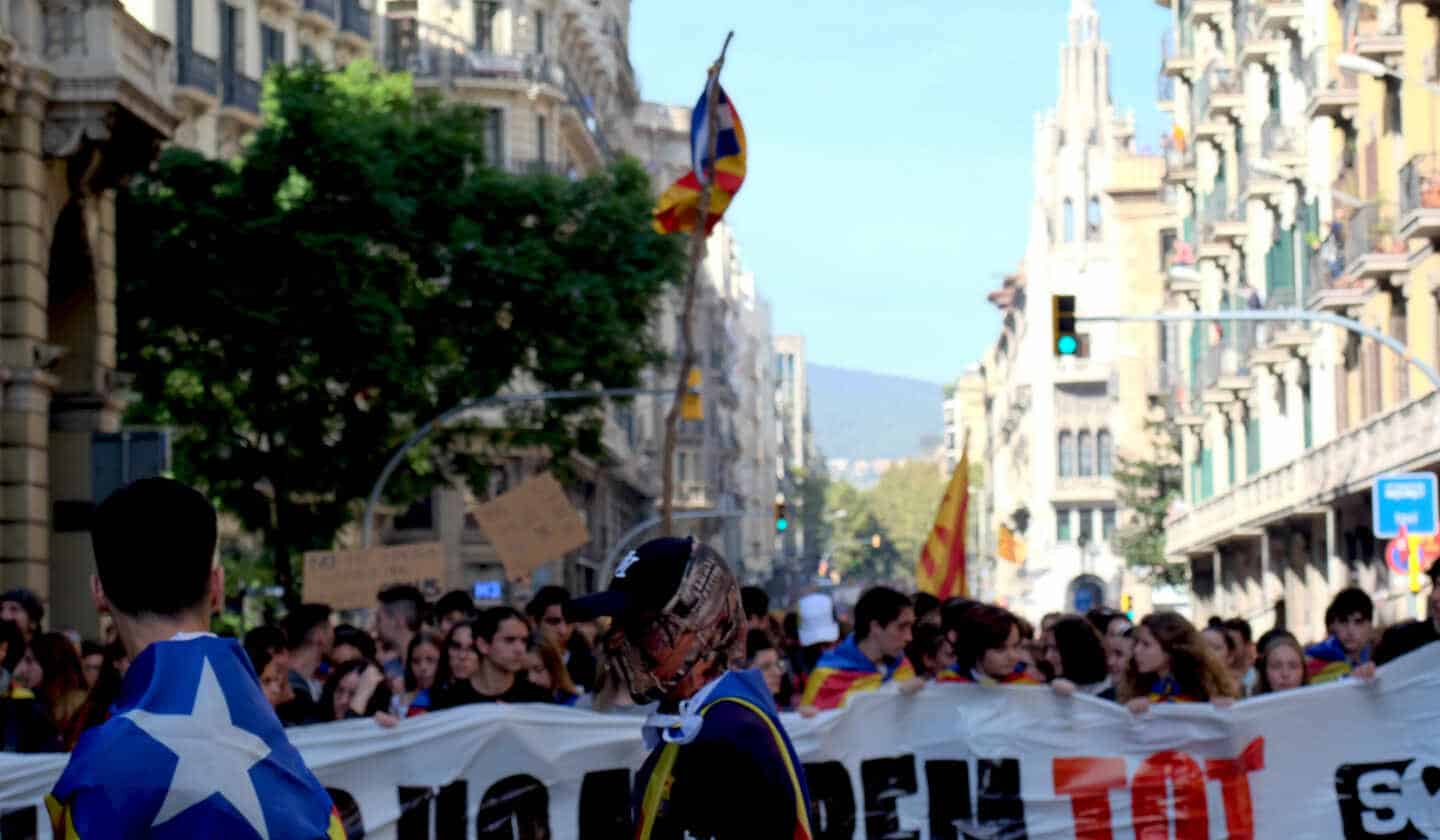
(889, 174)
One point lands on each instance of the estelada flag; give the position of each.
(679, 206)
(941, 570)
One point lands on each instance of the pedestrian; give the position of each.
(356, 689)
(270, 657)
(1242, 668)
(23, 607)
(193, 749)
(545, 668)
(500, 637)
(870, 657)
(422, 667)
(396, 623)
(92, 659)
(1350, 618)
(1281, 666)
(927, 609)
(1076, 655)
(763, 657)
(930, 651)
(988, 648)
(1172, 664)
(817, 630)
(311, 639)
(757, 607)
(461, 659)
(24, 725)
(721, 765)
(454, 607)
(551, 613)
(51, 669)
(350, 642)
(1400, 639)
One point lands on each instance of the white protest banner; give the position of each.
(1352, 760)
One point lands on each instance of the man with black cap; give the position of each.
(721, 766)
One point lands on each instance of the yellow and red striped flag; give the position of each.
(678, 209)
(941, 570)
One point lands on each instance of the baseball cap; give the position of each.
(817, 620)
(645, 579)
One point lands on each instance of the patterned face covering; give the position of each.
(652, 653)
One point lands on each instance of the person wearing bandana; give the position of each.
(720, 766)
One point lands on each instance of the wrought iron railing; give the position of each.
(194, 70)
(1276, 137)
(355, 18)
(1369, 230)
(1420, 184)
(241, 92)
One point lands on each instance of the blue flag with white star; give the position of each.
(191, 749)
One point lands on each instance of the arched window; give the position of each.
(1106, 456)
(1087, 454)
(1069, 220)
(1092, 219)
(1067, 455)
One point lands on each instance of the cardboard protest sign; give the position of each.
(348, 580)
(532, 525)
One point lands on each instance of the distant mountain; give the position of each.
(861, 415)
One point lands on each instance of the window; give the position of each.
(1092, 219)
(272, 47)
(1107, 524)
(1393, 109)
(1067, 455)
(1229, 456)
(1087, 454)
(1399, 318)
(1252, 445)
(1167, 244)
(485, 11)
(418, 517)
(1087, 526)
(495, 137)
(184, 26)
(231, 50)
(1106, 456)
(540, 138)
(307, 55)
(1069, 220)
(539, 32)
(1062, 526)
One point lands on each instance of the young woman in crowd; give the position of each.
(1281, 666)
(460, 659)
(1171, 663)
(51, 669)
(762, 655)
(422, 668)
(356, 689)
(270, 656)
(546, 670)
(1076, 657)
(930, 651)
(92, 659)
(351, 643)
(987, 648)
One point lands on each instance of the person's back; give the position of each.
(193, 748)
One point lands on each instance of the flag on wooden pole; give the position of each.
(941, 570)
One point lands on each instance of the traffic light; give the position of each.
(782, 521)
(1062, 310)
(691, 405)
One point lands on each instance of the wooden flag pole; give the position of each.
(687, 312)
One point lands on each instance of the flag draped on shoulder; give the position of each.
(192, 749)
(941, 569)
(678, 209)
(845, 670)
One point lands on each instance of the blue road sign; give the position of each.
(1406, 499)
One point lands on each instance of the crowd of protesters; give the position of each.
(419, 657)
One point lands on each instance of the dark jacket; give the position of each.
(24, 726)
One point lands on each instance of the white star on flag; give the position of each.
(215, 754)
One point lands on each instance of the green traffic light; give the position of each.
(1067, 345)
(781, 524)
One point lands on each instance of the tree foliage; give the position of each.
(296, 313)
(1146, 487)
(899, 509)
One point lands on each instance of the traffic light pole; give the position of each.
(1280, 315)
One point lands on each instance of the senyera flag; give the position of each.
(679, 206)
(941, 570)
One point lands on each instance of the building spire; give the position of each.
(1084, 22)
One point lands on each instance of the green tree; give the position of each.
(1146, 487)
(296, 313)
(899, 509)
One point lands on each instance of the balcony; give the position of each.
(1333, 92)
(1420, 198)
(1177, 57)
(1180, 165)
(1281, 144)
(1079, 489)
(318, 17)
(432, 54)
(1165, 91)
(1281, 15)
(1081, 371)
(1397, 441)
(1212, 12)
(694, 495)
(1379, 45)
(1227, 94)
(355, 24)
(1372, 247)
(239, 104)
(280, 8)
(197, 83)
(1331, 288)
(1226, 368)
